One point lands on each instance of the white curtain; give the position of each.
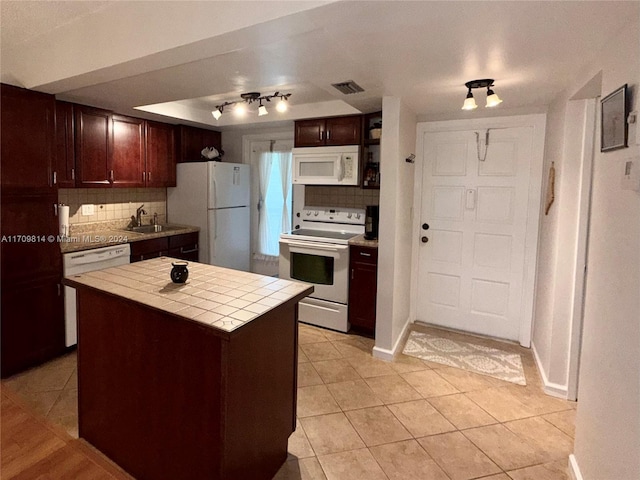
(274, 216)
(285, 178)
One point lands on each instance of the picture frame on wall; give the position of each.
(614, 133)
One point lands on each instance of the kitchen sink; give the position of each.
(152, 228)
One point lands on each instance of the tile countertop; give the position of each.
(104, 238)
(220, 297)
(360, 241)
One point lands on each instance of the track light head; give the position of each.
(469, 102)
(492, 99)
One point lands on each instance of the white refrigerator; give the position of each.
(215, 197)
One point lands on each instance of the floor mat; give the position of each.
(475, 358)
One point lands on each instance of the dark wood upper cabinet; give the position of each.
(65, 164)
(128, 154)
(310, 133)
(93, 145)
(27, 140)
(319, 132)
(191, 140)
(343, 130)
(161, 160)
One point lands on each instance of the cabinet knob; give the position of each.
(424, 239)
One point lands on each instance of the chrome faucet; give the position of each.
(139, 212)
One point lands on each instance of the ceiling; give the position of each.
(180, 59)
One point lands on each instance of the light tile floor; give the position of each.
(360, 417)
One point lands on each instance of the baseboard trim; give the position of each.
(550, 388)
(574, 470)
(386, 354)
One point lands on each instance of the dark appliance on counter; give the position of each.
(371, 222)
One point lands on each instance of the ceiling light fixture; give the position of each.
(492, 99)
(240, 106)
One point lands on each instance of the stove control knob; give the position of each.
(349, 215)
(308, 213)
(315, 214)
(358, 216)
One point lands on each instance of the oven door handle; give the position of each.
(316, 245)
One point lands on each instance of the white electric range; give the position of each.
(318, 254)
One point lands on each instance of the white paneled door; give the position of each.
(473, 216)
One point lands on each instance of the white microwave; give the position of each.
(326, 165)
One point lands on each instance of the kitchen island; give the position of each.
(194, 380)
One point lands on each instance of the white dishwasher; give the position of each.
(83, 262)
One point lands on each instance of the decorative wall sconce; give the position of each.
(240, 107)
(492, 98)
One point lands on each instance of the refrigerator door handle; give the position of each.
(215, 194)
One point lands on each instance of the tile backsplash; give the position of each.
(113, 205)
(350, 197)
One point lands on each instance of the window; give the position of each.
(275, 201)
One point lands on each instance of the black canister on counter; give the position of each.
(179, 272)
(371, 222)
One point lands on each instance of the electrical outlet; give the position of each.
(88, 209)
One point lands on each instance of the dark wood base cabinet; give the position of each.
(183, 246)
(32, 323)
(168, 398)
(363, 284)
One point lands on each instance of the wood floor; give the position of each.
(32, 448)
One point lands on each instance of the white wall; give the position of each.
(607, 442)
(558, 246)
(396, 200)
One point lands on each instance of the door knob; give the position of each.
(424, 239)
(425, 226)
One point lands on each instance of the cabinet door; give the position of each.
(65, 166)
(191, 141)
(127, 156)
(363, 287)
(32, 323)
(309, 133)
(362, 296)
(93, 143)
(343, 130)
(161, 163)
(27, 140)
(29, 247)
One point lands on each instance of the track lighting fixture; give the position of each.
(492, 99)
(240, 106)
